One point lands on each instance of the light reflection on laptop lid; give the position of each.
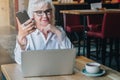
(48, 62)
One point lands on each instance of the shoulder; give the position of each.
(62, 31)
(60, 28)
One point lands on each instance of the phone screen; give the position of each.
(22, 16)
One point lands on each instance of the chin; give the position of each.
(44, 25)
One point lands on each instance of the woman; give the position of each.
(40, 32)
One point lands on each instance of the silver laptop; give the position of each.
(48, 62)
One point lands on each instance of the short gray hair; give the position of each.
(39, 3)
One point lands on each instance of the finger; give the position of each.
(47, 28)
(19, 25)
(18, 22)
(29, 32)
(28, 26)
(28, 22)
(51, 28)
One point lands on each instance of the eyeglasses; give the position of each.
(41, 12)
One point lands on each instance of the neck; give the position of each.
(41, 28)
(45, 34)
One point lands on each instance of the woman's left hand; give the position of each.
(51, 28)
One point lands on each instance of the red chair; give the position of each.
(94, 23)
(110, 30)
(72, 26)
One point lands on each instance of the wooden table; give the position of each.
(13, 72)
(69, 3)
(89, 11)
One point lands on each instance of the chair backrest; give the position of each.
(111, 25)
(71, 20)
(94, 19)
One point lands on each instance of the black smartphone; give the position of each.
(22, 16)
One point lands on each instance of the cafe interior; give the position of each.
(93, 27)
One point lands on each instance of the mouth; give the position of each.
(45, 20)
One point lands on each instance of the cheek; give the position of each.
(50, 18)
(37, 19)
(35, 16)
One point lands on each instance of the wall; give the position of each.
(4, 13)
(22, 4)
(14, 6)
(12, 12)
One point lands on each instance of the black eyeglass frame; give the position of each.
(41, 12)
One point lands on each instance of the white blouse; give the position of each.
(37, 41)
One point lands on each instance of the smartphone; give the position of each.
(22, 16)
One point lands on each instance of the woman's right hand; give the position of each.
(23, 30)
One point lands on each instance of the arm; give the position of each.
(61, 35)
(17, 53)
(21, 40)
(63, 39)
(23, 30)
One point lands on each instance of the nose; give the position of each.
(44, 14)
